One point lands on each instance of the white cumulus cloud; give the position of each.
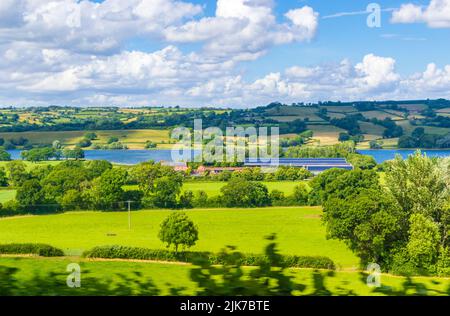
(436, 14)
(245, 29)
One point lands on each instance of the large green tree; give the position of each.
(107, 190)
(404, 225)
(319, 183)
(160, 185)
(242, 193)
(3, 178)
(178, 230)
(98, 167)
(30, 195)
(4, 155)
(420, 184)
(164, 193)
(17, 173)
(369, 222)
(39, 154)
(68, 175)
(145, 174)
(424, 242)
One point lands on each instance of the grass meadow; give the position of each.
(7, 195)
(213, 188)
(134, 139)
(299, 230)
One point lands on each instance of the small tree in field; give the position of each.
(178, 229)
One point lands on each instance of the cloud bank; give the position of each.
(435, 15)
(74, 52)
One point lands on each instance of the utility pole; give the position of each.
(129, 215)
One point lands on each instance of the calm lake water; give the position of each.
(131, 157)
(382, 155)
(126, 157)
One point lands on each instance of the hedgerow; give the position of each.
(132, 253)
(42, 250)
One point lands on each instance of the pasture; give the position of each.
(381, 115)
(170, 276)
(294, 113)
(299, 231)
(326, 134)
(134, 139)
(213, 188)
(7, 195)
(30, 165)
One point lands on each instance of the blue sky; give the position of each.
(343, 37)
(233, 53)
(413, 46)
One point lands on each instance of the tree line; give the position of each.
(97, 185)
(403, 225)
(420, 139)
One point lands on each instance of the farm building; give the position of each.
(177, 166)
(217, 170)
(315, 165)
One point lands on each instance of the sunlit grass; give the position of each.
(299, 230)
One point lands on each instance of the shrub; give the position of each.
(402, 265)
(132, 253)
(200, 199)
(150, 145)
(10, 208)
(276, 196)
(243, 193)
(4, 155)
(301, 194)
(186, 200)
(90, 136)
(71, 200)
(443, 264)
(84, 143)
(31, 249)
(113, 139)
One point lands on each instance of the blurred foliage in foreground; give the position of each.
(271, 278)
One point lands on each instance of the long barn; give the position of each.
(315, 165)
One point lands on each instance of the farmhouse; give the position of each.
(177, 166)
(315, 165)
(217, 170)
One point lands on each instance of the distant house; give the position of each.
(177, 166)
(315, 165)
(217, 170)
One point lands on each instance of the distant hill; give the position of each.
(417, 123)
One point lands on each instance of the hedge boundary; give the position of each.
(134, 253)
(42, 250)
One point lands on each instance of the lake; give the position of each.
(382, 155)
(125, 157)
(131, 157)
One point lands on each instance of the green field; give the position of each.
(7, 195)
(326, 134)
(318, 116)
(134, 139)
(299, 230)
(169, 276)
(31, 165)
(213, 188)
